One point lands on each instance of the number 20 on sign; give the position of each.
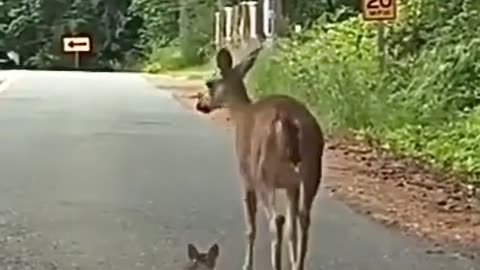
(379, 10)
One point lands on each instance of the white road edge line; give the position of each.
(8, 78)
(4, 84)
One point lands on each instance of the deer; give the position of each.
(279, 146)
(201, 261)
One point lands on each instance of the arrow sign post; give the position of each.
(76, 45)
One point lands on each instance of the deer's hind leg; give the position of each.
(308, 191)
(293, 196)
(250, 206)
(266, 188)
(304, 217)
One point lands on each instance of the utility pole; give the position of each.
(221, 21)
(278, 17)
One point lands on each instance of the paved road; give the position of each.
(102, 171)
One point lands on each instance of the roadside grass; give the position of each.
(424, 105)
(198, 72)
(169, 61)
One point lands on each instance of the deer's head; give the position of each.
(229, 88)
(202, 261)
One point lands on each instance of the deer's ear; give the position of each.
(243, 67)
(224, 60)
(192, 252)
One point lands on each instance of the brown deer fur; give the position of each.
(279, 145)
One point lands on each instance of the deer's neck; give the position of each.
(239, 102)
(239, 107)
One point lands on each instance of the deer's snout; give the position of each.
(203, 105)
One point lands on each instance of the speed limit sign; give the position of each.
(379, 10)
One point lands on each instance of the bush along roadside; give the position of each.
(190, 45)
(426, 103)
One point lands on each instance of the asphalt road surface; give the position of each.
(103, 171)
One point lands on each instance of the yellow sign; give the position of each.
(379, 10)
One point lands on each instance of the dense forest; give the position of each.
(122, 31)
(125, 33)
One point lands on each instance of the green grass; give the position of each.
(192, 72)
(164, 59)
(169, 60)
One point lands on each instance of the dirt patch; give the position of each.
(402, 193)
(397, 192)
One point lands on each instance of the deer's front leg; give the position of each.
(250, 206)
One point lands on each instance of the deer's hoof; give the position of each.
(247, 267)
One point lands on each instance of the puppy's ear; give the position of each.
(192, 252)
(212, 254)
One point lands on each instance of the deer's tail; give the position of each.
(302, 146)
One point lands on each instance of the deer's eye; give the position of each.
(209, 84)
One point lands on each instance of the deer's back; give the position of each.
(289, 107)
(277, 134)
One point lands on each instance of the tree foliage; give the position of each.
(124, 30)
(33, 28)
(120, 29)
(159, 22)
(196, 29)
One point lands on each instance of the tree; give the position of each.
(196, 31)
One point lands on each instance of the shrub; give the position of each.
(452, 145)
(425, 103)
(165, 58)
(175, 34)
